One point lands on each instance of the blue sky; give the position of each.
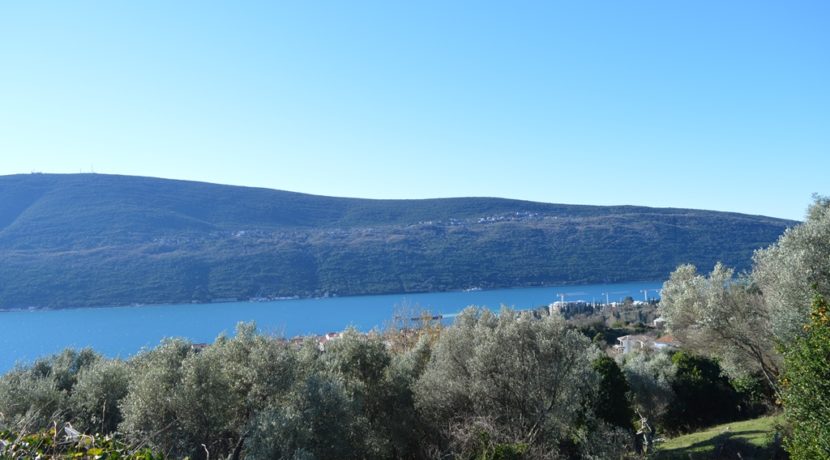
(706, 104)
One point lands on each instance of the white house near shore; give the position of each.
(629, 343)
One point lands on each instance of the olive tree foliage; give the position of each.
(355, 401)
(33, 397)
(787, 271)
(744, 320)
(150, 410)
(382, 383)
(333, 407)
(317, 420)
(256, 396)
(97, 395)
(649, 376)
(182, 398)
(490, 386)
(508, 382)
(724, 317)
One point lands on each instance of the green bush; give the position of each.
(703, 395)
(612, 404)
(806, 387)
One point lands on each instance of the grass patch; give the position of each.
(750, 439)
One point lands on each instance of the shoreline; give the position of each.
(319, 297)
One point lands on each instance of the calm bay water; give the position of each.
(123, 331)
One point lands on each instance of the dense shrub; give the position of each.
(612, 404)
(703, 396)
(507, 383)
(806, 381)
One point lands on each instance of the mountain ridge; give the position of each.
(95, 239)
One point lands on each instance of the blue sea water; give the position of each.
(124, 331)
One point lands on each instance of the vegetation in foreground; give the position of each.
(437, 394)
(65, 442)
(806, 386)
(770, 323)
(512, 385)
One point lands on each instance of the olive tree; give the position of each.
(97, 395)
(649, 376)
(380, 385)
(150, 410)
(786, 271)
(506, 381)
(35, 396)
(203, 401)
(317, 420)
(352, 400)
(724, 317)
(744, 320)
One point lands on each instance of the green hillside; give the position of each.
(90, 239)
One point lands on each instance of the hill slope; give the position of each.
(89, 239)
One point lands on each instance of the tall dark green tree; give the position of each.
(612, 404)
(704, 396)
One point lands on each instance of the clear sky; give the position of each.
(704, 104)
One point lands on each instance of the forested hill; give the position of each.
(91, 239)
